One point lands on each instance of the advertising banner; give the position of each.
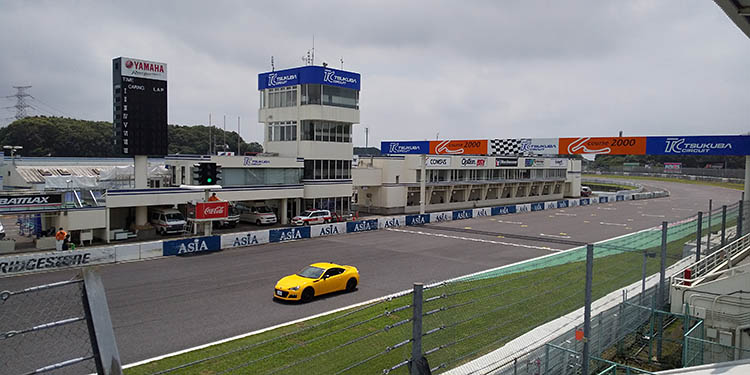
(539, 206)
(244, 239)
(699, 145)
(437, 217)
(322, 230)
(562, 203)
(50, 261)
(309, 74)
(417, 219)
(672, 167)
(481, 212)
(131, 67)
(557, 163)
(523, 207)
(506, 162)
(465, 147)
(473, 162)
(503, 210)
(405, 147)
(603, 145)
(288, 234)
(212, 210)
(463, 214)
(392, 222)
(30, 201)
(584, 201)
(191, 245)
(362, 226)
(550, 205)
(533, 163)
(523, 146)
(434, 162)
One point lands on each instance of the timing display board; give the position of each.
(140, 106)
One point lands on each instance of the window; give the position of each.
(282, 131)
(327, 169)
(281, 97)
(310, 94)
(326, 131)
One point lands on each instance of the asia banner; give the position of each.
(603, 145)
(212, 210)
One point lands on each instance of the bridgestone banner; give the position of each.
(20, 264)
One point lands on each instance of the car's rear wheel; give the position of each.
(308, 294)
(351, 285)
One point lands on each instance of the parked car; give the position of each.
(167, 220)
(257, 215)
(585, 191)
(312, 217)
(232, 219)
(315, 280)
(2, 231)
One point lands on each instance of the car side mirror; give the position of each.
(326, 276)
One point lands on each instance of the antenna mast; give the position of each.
(272, 66)
(313, 51)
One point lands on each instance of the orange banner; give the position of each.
(449, 147)
(603, 145)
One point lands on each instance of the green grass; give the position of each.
(727, 185)
(468, 318)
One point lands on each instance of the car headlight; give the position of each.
(294, 288)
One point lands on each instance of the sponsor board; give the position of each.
(244, 239)
(562, 204)
(585, 201)
(672, 167)
(482, 212)
(473, 162)
(19, 264)
(212, 210)
(405, 147)
(417, 219)
(437, 217)
(362, 226)
(437, 162)
(309, 74)
(131, 67)
(539, 206)
(392, 222)
(603, 199)
(573, 203)
(463, 147)
(503, 210)
(523, 207)
(322, 230)
(38, 200)
(191, 245)
(603, 145)
(539, 146)
(288, 234)
(557, 163)
(699, 145)
(251, 161)
(533, 163)
(506, 162)
(463, 214)
(550, 205)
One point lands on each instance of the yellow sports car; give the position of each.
(315, 280)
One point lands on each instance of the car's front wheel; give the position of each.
(308, 294)
(351, 284)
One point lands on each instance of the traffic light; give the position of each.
(207, 173)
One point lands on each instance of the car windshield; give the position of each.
(311, 272)
(174, 217)
(264, 210)
(306, 213)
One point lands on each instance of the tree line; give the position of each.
(60, 136)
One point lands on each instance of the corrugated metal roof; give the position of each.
(36, 174)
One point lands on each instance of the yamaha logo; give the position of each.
(129, 64)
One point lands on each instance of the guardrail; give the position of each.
(713, 263)
(27, 263)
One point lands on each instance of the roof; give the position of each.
(36, 174)
(724, 368)
(738, 11)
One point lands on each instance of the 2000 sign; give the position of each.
(624, 142)
(469, 144)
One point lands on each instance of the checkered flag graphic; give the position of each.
(505, 147)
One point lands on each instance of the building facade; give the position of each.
(391, 185)
(309, 113)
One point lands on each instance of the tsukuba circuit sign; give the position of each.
(677, 145)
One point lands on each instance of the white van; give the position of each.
(167, 220)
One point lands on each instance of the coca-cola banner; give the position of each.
(212, 210)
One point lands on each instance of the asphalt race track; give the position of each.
(165, 305)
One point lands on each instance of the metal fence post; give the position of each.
(643, 278)
(416, 328)
(708, 239)
(107, 356)
(740, 217)
(663, 265)
(723, 225)
(698, 235)
(587, 308)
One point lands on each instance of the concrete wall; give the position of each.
(82, 219)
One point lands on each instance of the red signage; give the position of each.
(212, 210)
(451, 147)
(603, 145)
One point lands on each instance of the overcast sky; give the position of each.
(468, 70)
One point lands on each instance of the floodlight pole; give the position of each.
(422, 183)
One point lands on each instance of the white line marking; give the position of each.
(562, 214)
(619, 225)
(636, 204)
(510, 222)
(553, 235)
(606, 208)
(682, 209)
(474, 239)
(648, 215)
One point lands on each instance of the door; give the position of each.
(335, 280)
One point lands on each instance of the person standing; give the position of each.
(60, 239)
(66, 242)
(213, 198)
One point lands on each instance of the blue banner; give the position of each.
(418, 219)
(288, 234)
(699, 145)
(537, 206)
(603, 199)
(410, 147)
(362, 226)
(309, 74)
(503, 210)
(585, 202)
(191, 245)
(620, 198)
(463, 214)
(562, 203)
